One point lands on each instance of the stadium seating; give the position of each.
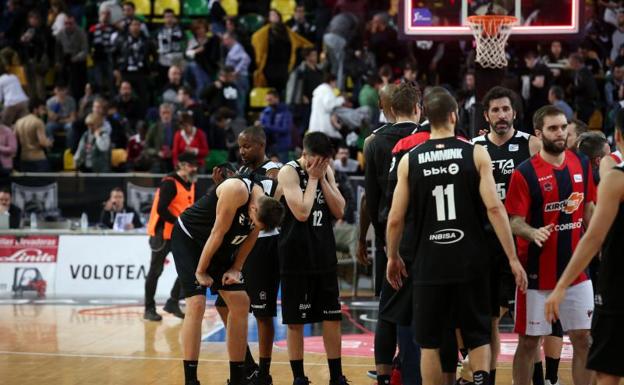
(161, 5)
(142, 7)
(195, 8)
(285, 7)
(251, 22)
(257, 97)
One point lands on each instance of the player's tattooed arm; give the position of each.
(497, 214)
(299, 203)
(333, 197)
(521, 228)
(237, 194)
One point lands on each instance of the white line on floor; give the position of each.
(139, 358)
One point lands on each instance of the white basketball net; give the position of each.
(491, 37)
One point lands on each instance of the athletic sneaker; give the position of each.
(253, 373)
(151, 315)
(340, 381)
(372, 374)
(301, 381)
(172, 306)
(266, 380)
(547, 382)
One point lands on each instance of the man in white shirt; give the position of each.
(12, 97)
(324, 100)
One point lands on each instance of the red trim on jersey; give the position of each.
(521, 313)
(616, 156)
(410, 142)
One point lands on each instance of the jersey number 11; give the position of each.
(440, 193)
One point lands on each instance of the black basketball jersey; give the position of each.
(310, 246)
(259, 176)
(446, 207)
(268, 185)
(506, 158)
(610, 291)
(197, 221)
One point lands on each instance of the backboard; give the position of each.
(446, 19)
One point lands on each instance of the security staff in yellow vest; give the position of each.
(175, 194)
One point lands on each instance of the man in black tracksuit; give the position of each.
(404, 111)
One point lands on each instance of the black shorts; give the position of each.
(449, 352)
(186, 252)
(396, 306)
(262, 277)
(440, 308)
(608, 338)
(310, 298)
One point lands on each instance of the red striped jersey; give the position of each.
(545, 194)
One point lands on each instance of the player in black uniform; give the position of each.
(210, 243)
(261, 270)
(443, 184)
(307, 252)
(606, 229)
(507, 148)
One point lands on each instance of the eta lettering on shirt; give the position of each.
(544, 194)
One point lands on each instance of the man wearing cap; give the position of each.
(175, 194)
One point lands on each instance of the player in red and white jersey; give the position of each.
(550, 200)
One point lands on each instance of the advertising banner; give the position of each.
(111, 266)
(28, 264)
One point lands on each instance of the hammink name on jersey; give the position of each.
(440, 155)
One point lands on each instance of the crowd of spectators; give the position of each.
(117, 91)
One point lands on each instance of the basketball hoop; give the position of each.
(491, 33)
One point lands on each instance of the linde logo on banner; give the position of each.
(108, 272)
(29, 256)
(28, 249)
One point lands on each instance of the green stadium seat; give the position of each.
(215, 158)
(251, 22)
(196, 8)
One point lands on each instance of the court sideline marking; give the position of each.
(139, 358)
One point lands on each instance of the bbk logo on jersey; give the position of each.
(505, 166)
(452, 169)
(567, 206)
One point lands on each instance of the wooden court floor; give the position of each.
(62, 344)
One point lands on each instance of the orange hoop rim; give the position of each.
(499, 19)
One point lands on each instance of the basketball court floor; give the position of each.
(60, 341)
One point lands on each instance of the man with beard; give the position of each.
(604, 232)
(550, 200)
(261, 269)
(175, 194)
(508, 148)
